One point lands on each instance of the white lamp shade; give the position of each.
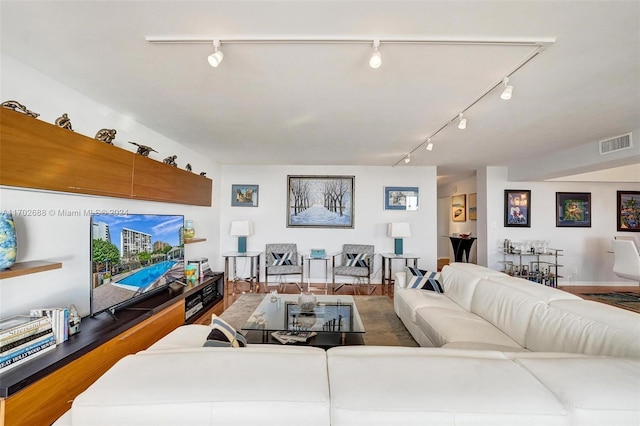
(241, 228)
(398, 230)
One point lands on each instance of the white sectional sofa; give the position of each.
(527, 355)
(485, 309)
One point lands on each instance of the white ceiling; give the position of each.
(322, 104)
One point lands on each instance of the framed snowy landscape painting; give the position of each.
(320, 201)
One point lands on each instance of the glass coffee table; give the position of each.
(335, 319)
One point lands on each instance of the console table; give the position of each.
(41, 390)
(462, 248)
(387, 269)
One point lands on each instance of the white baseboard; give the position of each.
(567, 283)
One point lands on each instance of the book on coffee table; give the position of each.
(285, 337)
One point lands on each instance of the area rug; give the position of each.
(383, 327)
(623, 299)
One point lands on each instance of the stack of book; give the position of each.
(285, 337)
(59, 318)
(22, 338)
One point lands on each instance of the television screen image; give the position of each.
(132, 257)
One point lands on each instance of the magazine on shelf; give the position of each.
(285, 337)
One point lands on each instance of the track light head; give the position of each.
(463, 122)
(429, 145)
(376, 57)
(216, 57)
(508, 90)
(407, 159)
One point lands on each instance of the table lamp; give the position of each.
(398, 230)
(242, 229)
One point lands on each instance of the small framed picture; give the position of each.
(573, 209)
(628, 211)
(244, 195)
(459, 208)
(401, 198)
(473, 206)
(517, 208)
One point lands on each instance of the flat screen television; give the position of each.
(133, 257)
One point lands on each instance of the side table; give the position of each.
(326, 260)
(231, 274)
(387, 268)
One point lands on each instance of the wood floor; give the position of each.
(229, 298)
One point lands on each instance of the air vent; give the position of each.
(616, 144)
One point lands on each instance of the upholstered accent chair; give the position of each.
(356, 261)
(626, 262)
(282, 260)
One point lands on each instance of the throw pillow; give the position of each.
(280, 259)
(357, 259)
(223, 335)
(424, 280)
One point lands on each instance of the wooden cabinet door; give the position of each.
(35, 154)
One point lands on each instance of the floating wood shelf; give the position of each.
(194, 240)
(25, 268)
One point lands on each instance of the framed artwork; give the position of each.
(401, 198)
(628, 212)
(573, 209)
(459, 208)
(244, 195)
(517, 208)
(320, 201)
(473, 206)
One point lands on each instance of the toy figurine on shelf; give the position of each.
(106, 135)
(143, 149)
(64, 121)
(18, 107)
(171, 160)
(188, 167)
(203, 173)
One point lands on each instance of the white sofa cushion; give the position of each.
(459, 285)
(585, 327)
(595, 390)
(261, 384)
(506, 307)
(542, 292)
(409, 300)
(187, 336)
(433, 386)
(443, 326)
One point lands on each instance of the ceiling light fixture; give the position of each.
(429, 144)
(463, 122)
(508, 90)
(216, 57)
(376, 57)
(407, 159)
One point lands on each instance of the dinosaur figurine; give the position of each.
(64, 122)
(18, 107)
(143, 149)
(106, 135)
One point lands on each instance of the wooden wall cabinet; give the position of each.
(35, 154)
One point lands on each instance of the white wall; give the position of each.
(66, 238)
(270, 217)
(586, 259)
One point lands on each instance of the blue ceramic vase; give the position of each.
(8, 242)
